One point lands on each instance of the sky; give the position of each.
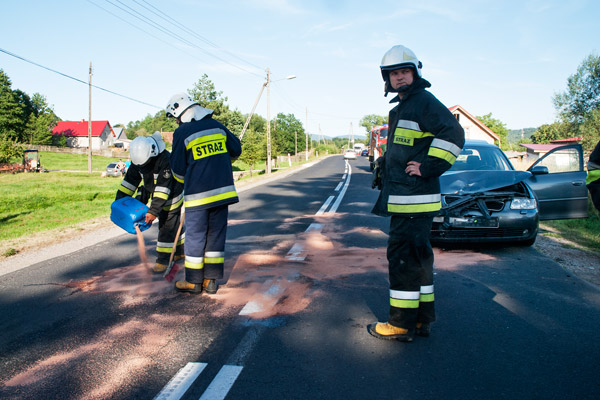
(508, 58)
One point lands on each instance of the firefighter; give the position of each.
(203, 150)
(424, 140)
(593, 179)
(150, 175)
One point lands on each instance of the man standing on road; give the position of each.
(150, 167)
(593, 178)
(203, 149)
(424, 141)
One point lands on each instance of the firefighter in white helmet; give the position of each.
(203, 150)
(424, 140)
(150, 176)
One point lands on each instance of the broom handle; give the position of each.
(177, 238)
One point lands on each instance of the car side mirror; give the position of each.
(539, 170)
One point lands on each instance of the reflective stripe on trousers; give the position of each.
(206, 231)
(410, 258)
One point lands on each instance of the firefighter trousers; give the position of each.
(410, 258)
(206, 231)
(168, 223)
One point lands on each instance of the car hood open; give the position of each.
(464, 182)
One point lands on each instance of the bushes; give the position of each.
(9, 150)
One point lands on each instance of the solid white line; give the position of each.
(325, 205)
(220, 386)
(335, 205)
(181, 382)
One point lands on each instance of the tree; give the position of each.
(41, 121)
(150, 124)
(254, 148)
(583, 92)
(284, 138)
(9, 149)
(554, 131)
(590, 130)
(496, 126)
(12, 110)
(369, 121)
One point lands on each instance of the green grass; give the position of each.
(74, 162)
(36, 202)
(585, 232)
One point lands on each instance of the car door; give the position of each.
(558, 180)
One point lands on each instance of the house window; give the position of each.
(457, 117)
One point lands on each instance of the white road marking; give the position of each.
(339, 186)
(340, 197)
(220, 386)
(325, 205)
(181, 382)
(264, 300)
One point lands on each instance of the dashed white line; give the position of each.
(220, 386)
(181, 382)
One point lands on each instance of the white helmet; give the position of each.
(143, 148)
(178, 104)
(399, 57)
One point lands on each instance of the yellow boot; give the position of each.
(383, 330)
(159, 268)
(185, 286)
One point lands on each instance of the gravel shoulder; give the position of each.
(574, 258)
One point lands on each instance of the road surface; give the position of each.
(305, 274)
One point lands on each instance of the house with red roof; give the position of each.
(76, 133)
(474, 128)
(535, 151)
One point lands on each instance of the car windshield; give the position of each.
(112, 165)
(474, 158)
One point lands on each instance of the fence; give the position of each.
(112, 152)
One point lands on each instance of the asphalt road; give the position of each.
(305, 273)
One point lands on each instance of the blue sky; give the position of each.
(504, 57)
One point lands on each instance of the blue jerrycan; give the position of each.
(128, 212)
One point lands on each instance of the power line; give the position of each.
(75, 79)
(155, 25)
(172, 21)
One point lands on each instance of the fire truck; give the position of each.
(377, 143)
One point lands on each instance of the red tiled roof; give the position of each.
(540, 147)
(80, 128)
(568, 140)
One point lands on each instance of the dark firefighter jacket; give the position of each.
(421, 129)
(593, 177)
(201, 159)
(158, 184)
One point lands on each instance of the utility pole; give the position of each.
(90, 124)
(306, 132)
(268, 122)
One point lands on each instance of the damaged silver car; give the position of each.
(484, 199)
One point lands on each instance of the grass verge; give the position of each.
(585, 232)
(39, 202)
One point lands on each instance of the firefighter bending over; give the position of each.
(150, 175)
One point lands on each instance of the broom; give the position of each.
(172, 269)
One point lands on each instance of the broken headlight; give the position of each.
(521, 203)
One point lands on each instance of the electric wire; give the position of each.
(144, 19)
(186, 29)
(75, 79)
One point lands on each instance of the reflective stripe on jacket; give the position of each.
(158, 184)
(422, 129)
(201, 159)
